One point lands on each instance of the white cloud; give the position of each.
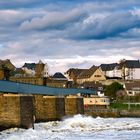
(53, 20)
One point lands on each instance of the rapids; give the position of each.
(79, 127)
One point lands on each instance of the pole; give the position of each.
(129, 103)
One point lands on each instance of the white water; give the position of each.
(79, 128)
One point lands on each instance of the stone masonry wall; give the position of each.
(15, 111)
(74, 105)
(9, 111)
(48, 108)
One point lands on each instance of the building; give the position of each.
(73, 73)
(7, 63)
(132, 88)
(98, 87)
(57, 80)
(125, 69)
(31, 73)
(29, 69)
(130, 69)
(6, 67)
(90, 75)
(39, 69)
(96, 102)
(111, 71)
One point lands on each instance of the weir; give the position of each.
(23, 104)
(16, 111)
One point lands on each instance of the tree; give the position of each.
(112, 89)
(122, 66)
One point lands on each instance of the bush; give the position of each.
(112, 89)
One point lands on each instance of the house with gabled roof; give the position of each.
(90, 75)
(7, 64)
(6, 67)
(73, 73)
(59, 76)
(57, 80)
(111, 70)
(132, 88)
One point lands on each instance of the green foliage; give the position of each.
(112, 89)
(119, 105)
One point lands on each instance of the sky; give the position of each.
(69, 33)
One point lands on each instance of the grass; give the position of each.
(120, 105)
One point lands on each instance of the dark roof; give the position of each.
(58, 75)
(108, 67)
(30, 66)
(132, 86)
(132, 63)
(75, 71)
(13, 87)
(87, 73)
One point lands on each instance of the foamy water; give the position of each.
(79, 128)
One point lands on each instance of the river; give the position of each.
(79, 128)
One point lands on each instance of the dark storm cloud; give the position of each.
(67, 33)
(110, 26)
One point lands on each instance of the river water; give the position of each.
(79, 128)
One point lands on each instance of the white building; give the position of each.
(131, 70)
(32, 68)
(128, 70)
(111, 70)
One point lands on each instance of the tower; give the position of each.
(39, 69)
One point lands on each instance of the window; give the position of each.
(97, 75)
(100, 88)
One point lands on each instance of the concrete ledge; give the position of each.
(129, 113)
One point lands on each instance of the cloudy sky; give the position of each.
(69, 33)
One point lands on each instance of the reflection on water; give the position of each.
(79, 128)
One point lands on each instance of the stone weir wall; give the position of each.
(74, 105)
(16, 111)
(49, 108)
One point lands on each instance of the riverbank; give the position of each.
(113, 113)
(126, 109)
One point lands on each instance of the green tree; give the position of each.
(112, 89)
